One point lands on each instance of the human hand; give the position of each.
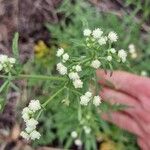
(134, 91)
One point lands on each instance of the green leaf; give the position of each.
(15, 45)
(4, 85)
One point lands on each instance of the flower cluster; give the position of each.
(122, 54)
(77, 140)
(132, 51)
(74, 76)
(73, 73)
(28, 115)
(62, 69)
(6, 63)
(97, 34)
(96, 38)
(87, 97)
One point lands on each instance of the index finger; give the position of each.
(129, 83)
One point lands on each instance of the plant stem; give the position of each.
(42, 77)
(53, 96)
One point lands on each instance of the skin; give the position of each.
(131, 90)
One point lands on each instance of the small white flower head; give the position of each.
(78, 142)
(122, 55)
(25, 117)
(96, 64)
(26, 113)
(134, 55)
(78, 68)
(25, 135)
(97, 33)
(26, 110)
(61, 69)
(65, 57)
(96, 100)
(34, 105)
(78, 83)
(73, 75)
(109, 58)
(6, 63)
(74, 134)
(144, 73)
(35, 135)
(112, 50)
(3, 58)
(88, 94)
(132, 51)
(87, 32)
(29, 129)
(87, 129)
(84, 100)
(12, 60)
(102, 40)
(31, 123)
(131, 46)
(112, 36)
(60, 52)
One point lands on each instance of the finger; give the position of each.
(114, 96)
(126, 82)
(134, 109)
(124, 122)
(133, 85)
(143, 144)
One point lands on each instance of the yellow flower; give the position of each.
(40, 49)
(107, 145)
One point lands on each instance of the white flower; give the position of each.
(26, 114)
(97, 100)
(109, 58)
(97, 33)
(95, 64)
(88, 94)
(131, 51)
(78, 142)
(31, 123)
(87, 129)
(12, 60)
(143, 73)
(78, 83)
(3, 58)
(35, 135)
(74, 134)
(131, 46)
(6, 63)
(26, 110)
(65, 57)
(78, 68)
(112, 36)
(122, 55)
(25, 117)
(25, 135)
(134, 55)
(60, 52)
(29, 129)
(34, 105)
(61, 69)
(112, 50)
(87, 32)
(102, 40)
(84, 100)
(73, 75)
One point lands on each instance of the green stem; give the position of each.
(53, 96)
(42, 77)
